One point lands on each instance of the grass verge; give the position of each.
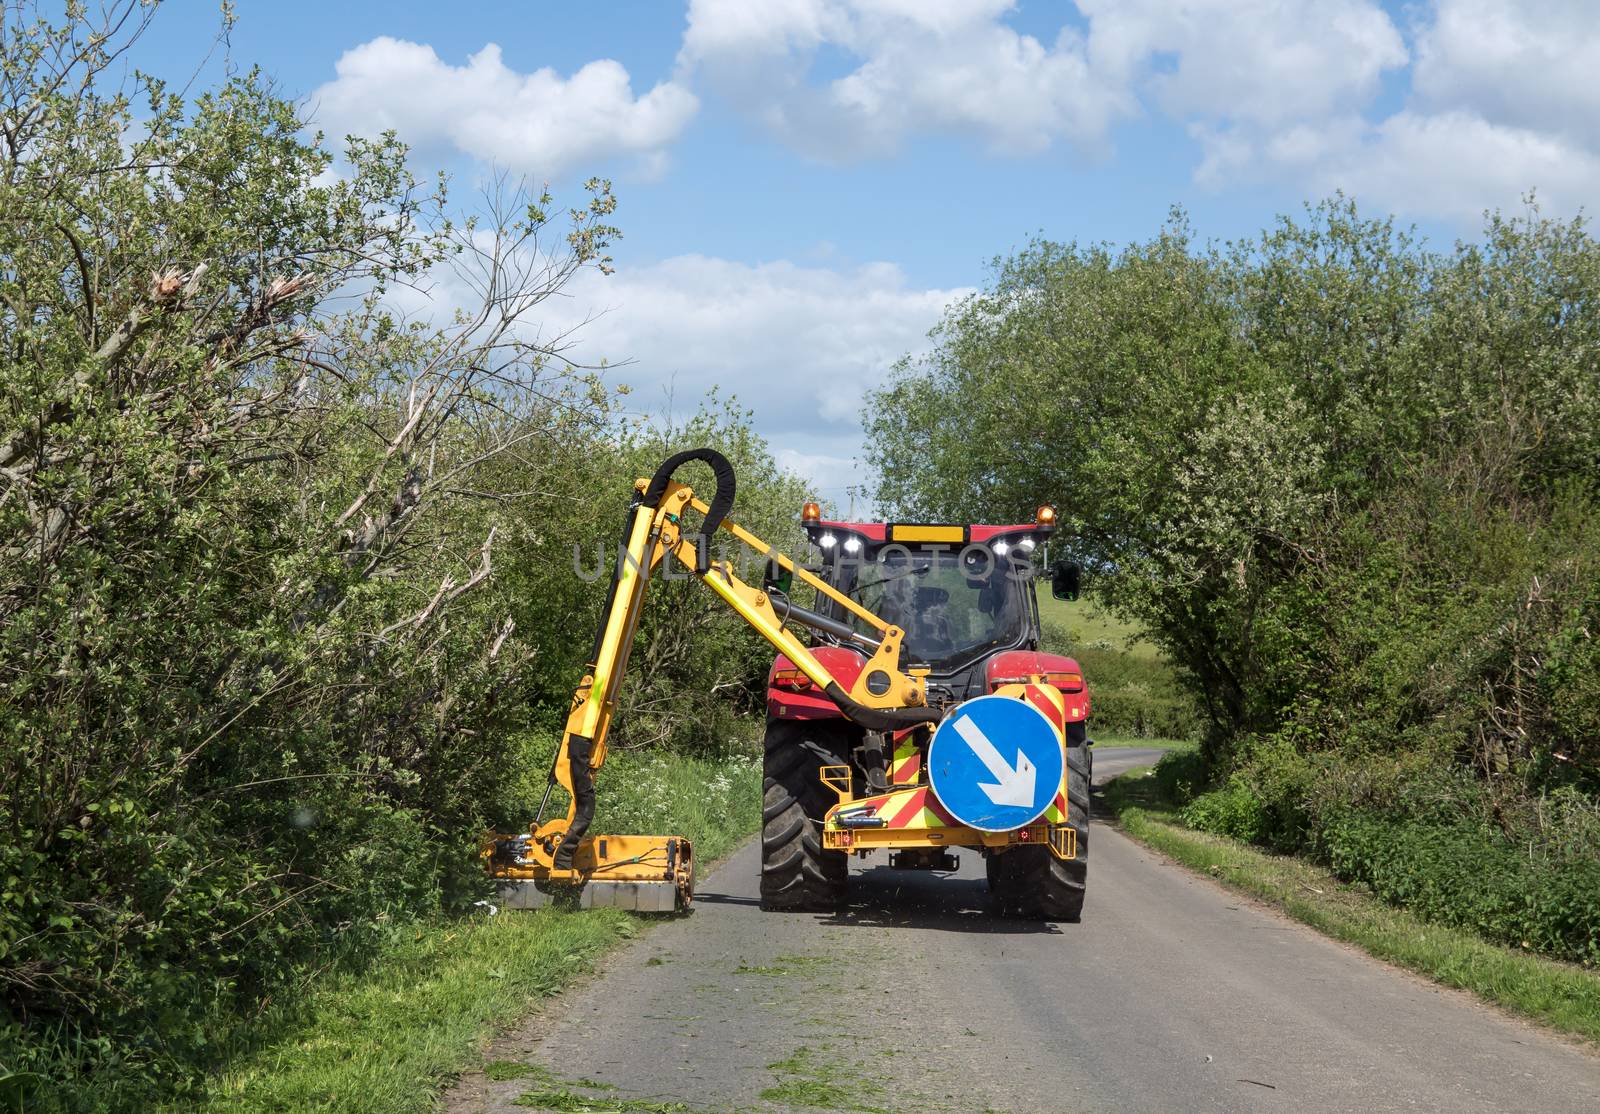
(1115, 742)
(388, 1039)
(1559, 995)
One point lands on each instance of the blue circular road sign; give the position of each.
(995, 763)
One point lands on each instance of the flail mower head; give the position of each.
(645, 874)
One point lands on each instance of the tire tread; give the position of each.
(797, 873)
(1030, 882)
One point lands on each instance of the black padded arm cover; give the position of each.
(721, 502)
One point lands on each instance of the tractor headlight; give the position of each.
(827, 541)
(852, 545)
(1001, 549)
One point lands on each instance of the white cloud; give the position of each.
(1504, 100)
(799, 345)
(1269, 88)
(1502, 96)
(1458, 164)
(830, 476)
(914, 66)
(1529, 65)
(1262, 62)
(919, 66)
(538, 123)
(1500, 103)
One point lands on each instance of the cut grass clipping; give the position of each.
(1560, 995)
(386, 1040)
(556, 1094)
(807, 1078)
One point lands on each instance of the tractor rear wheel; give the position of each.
(797, 874)
(1030, 881)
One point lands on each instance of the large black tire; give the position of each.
(797, 875)
(1030, 881)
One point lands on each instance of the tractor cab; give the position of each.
(960, 593)
(964, 595)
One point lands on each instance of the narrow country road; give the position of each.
(1173, 994)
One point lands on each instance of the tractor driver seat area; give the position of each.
(931, 636)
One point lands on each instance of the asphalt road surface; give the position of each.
(1173, 994)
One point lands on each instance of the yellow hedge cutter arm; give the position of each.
(656, 873)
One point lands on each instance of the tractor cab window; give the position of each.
(952, 604)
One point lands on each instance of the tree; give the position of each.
(255, 670)
(1345, 481)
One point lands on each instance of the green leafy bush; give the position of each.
(1136, 696)
(286, 574)
(1421, 848)
(1179, 777)
(711, 796)
(1463, 875)
(1234, 810)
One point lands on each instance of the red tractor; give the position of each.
(964, 596)
(918, 714)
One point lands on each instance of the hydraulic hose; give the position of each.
(880, 719)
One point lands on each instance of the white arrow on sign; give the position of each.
(1015, 786)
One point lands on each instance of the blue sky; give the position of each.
(804, 184)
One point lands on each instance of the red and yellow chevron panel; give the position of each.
(918, 809)
(1046, 698)
(905, 768)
